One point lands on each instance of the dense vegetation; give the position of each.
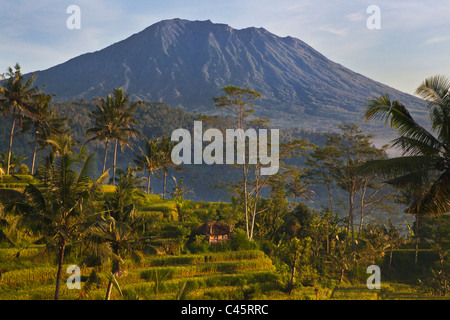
(102, 214)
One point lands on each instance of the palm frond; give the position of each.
(382, 108)
(137, 256)
(114, 282)
(183, 291)
(436, 200)
(94, 281)
(10, 195)
(398, 166)
(411, 146)
(435, 89)
(4, 238)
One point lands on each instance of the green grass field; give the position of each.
(210, 276)
(230, 275)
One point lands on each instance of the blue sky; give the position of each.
(412, 44)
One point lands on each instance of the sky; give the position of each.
(411, 44)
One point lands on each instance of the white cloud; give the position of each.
(335, 31)
(357, 16)
(437, 39)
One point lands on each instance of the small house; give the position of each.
(215, 231)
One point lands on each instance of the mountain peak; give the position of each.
(185, 63)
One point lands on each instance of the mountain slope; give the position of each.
(185, 63)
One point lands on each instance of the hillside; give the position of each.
(155, 120)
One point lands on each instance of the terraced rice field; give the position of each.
(225, 275)
(231, 275)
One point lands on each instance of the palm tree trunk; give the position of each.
(390, 256)
(34, 152)
(108, 290)
(11, 140)
(342, 276)
(104, 157)
(114, 270)
(114, 162)
(148, 181)
(416, 255)
(164, 183)
(62, 247)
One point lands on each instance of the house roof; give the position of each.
(214, 228)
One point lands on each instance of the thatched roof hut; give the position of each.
(215, 231)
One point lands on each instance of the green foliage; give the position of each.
(240, 241)
(296, 253)
(424, 164)
(23, 170)
(16, 94)
(15, 162)
(17, 179)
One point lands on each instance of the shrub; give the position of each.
(239, 241)
(17, 178)
(268, 247)
(308, 276)
(23, 169)
(195, 247)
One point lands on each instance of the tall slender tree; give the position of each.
(149, 159)
(124, 113)
(120, 226)
(354, 148)
(42, 124)
(16, 98)
(239, 101)
(58, 207)
(113, 120)
(165, 146)
(322, 163)
(103, 127)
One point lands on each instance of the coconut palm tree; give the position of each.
(42, 124)
(425, 162)
(124, 112)
(120, 226)
(15, 99)
(58, 207)
(165, 147)
(298, 188)
(103, 128)
(112, 122)
(8, 225)
(149, 159)
(178, 192)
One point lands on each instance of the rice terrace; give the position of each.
(197, 161)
